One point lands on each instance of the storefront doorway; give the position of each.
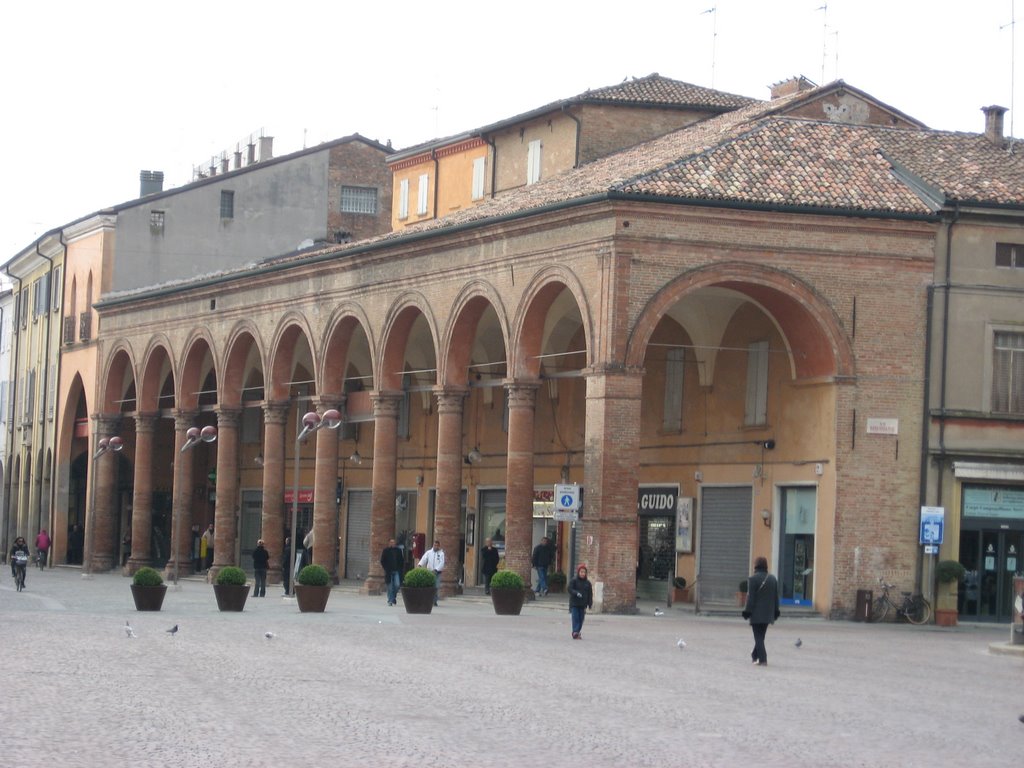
(991, 558)
(796, 544)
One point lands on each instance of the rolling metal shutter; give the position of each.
(357, 538)
(724, 542)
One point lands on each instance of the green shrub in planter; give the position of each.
(314, 576)
(949, 571)
(421, 577)
(147, 577)
(507, 580)
(231, 575)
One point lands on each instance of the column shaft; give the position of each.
(180, 560)
(385, 483)
(447, 507)
(325, 506)
(104, 547)
(142, 497)
(275, 418)
(522, 398)
(225, 518)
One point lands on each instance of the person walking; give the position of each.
(433, 560)
(541, 560)
(207, 546)
(762, 607)
(260, 564)
(581, 597)
(391, 562)
(16, 567)
(42, 547)
(286, 562)
(197, 550)
(489, 557)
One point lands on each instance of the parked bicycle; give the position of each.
(914, 608)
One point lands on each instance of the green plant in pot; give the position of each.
(312, 588)
(949, 574)
(230, 588)
(148, 589)
(418, 590)
(508, 590)
(557, 582)
(950, 571)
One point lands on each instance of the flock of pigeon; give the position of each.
(681, 644)
(130, 632)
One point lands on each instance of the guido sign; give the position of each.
(657, 500)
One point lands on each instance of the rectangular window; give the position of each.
(359, 200)
(41, 296)
(1008, 373)
(156, 222)
(757, 384)
(403, 199)
(227, 204)
(533, 162)
(23, 307)
(672, 420)
(55, 303)
(1010, 255)
(478, 177)
(422, 194)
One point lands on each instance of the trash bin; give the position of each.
(863, 609)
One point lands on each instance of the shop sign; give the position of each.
(657, 500)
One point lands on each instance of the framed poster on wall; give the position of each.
(684, 525)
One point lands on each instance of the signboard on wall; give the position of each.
(684, 525)
(657, 500)
(932, 523)
(1000, 501)
(883, 426)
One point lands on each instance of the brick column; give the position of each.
(275, 418)
(385, 483)
(447, 506)
(607, 535)
(225, 513)
(180, 560)
(142, 496)
(325, 506)
(103, 547)
(522, 397)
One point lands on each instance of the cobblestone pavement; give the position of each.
(366, 684)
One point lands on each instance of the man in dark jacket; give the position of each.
(260, 564)
(541, 560)
(391, 562)
(762, 607)
(489, 557)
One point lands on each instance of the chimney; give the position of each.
(150, 182)
(994, 123)
(791, 86)
(224, 166)
(266, 148)
(238, 159)
(251, 153)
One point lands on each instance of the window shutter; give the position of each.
(757, 384)
(673, 416)
(478, 177)
(403, 199)
(533, 162)
(421, 202)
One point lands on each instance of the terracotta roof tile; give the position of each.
(655, 89)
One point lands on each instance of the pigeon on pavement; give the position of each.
(173, 630)
(658, 612)
(128, 630)
(269, 635)
(798, 642)
(680, 643)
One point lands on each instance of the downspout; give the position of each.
(494, 161)
(14, 398)
(56, 410)
(46, 378)
(437, 180)
(922, 490)
(945, 354)
(579, 132)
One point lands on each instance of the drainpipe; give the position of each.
(579, 132)
(13, 401)
(922, 489)
(945, 353)
(56, 373)
(437, 180)
(46, 378)
(494, 161)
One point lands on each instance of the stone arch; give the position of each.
(157, 367)
(116, 377)
(816, 341)
(244, 353)
(339, 339)
(198, 361)
(397, 332)
(467, 311)
(532, 316)
(290, 329)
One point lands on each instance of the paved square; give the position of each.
(365, 684)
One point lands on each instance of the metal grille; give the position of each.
(358, 200)
(724, 542)
(357, 539)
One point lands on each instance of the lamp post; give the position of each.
(193, 437)
(105, 445)
(311, 422)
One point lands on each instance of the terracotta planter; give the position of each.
(507, 602)
(419, 599)
(945, 617)
(682, 595)
(312, 599)
(231, 597)
(148, 598)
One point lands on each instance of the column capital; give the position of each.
(228, 416)
(106, 422)
(276, 412)
(450, 399)
(522, 394)
(146, 422)
(183, 419)
(386, 403)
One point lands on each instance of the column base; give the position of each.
(135, 563)
(374, 585)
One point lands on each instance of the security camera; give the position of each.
(768, 445)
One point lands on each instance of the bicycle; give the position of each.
(913, 608)
(20, 564)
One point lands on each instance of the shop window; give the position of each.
(1008, 373)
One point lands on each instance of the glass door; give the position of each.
(991, 558)
(796, 545)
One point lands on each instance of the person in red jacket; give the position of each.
(42, 547)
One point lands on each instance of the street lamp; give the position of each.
(311, 422)
(193, 437)
(105, 445)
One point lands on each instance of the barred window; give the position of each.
(1008, 373)
(227, 204)
(358, 200)
(156, 222)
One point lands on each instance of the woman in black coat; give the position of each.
(762, 607)
(260, 564)
(581, 597)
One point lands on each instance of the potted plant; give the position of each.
(419, 589)
(231, 589)
(949, 574)
(508, 591)
(312, 588)
(148, 589)
(556, 582)
(680, 592)
(741, 595)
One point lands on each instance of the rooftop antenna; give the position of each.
(713, 10)
(824, 37)
(1012, 24)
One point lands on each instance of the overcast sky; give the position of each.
(94, 92)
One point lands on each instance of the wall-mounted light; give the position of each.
(474, 457)
(355, 458)
(766, 518)
(258, 461)
(768, 445)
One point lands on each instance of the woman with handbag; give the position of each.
(762, 607)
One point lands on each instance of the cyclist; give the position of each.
(18, 568)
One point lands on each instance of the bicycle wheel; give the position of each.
(879, 608)
(20, 579)
(918, 611)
